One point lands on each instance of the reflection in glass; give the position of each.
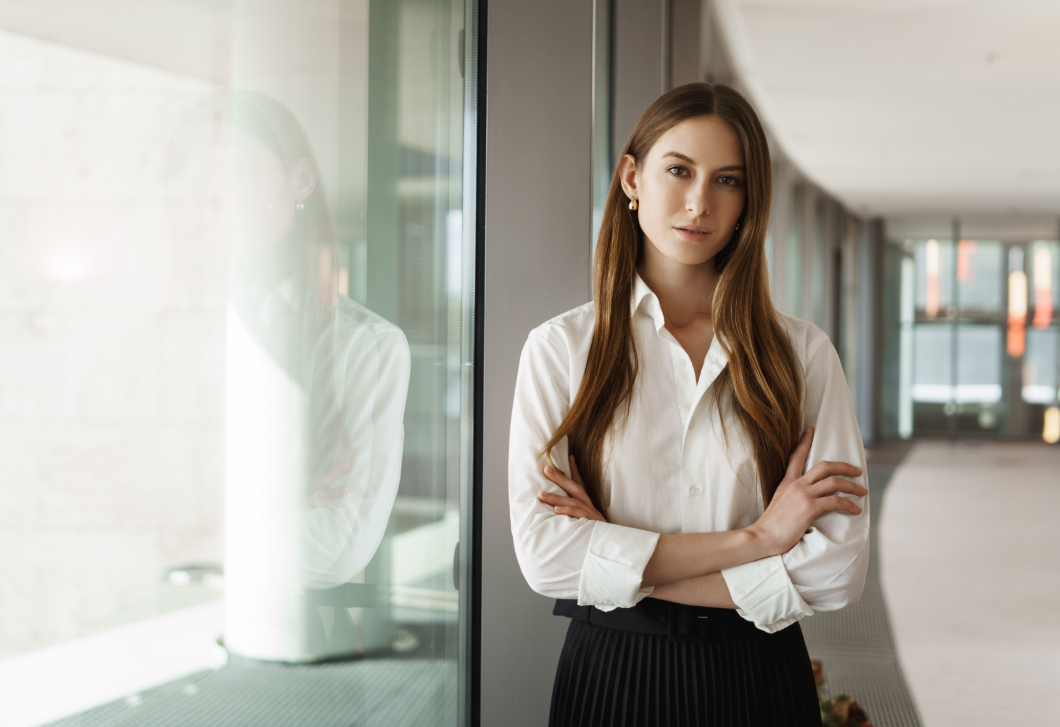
(196, 335)
(316, 384)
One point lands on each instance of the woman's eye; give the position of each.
(729, 181)
(677, 171)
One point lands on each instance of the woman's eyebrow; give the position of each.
(679, 155)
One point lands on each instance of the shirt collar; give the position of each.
(644, 299)
(280, 301)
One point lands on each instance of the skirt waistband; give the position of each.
(680, 623)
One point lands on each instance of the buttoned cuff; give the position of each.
(614, 567)
(765, 594)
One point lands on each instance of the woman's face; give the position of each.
(691, 189)
(253, 192)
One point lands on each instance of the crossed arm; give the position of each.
(686, 567)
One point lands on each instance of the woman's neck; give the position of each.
(685, 292)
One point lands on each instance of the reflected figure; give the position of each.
(316, 383)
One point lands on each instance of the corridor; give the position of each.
(970, 576)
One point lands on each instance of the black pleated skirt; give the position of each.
(739, 677)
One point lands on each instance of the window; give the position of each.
(236, 326)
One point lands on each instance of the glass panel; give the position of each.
(112, 342)
(935, 262)
(978, 352)
(1045, 282)
(1041, 364)
(980, 275)
(818, 246)
(932, 363)
(794, 253)
(979, 357)
(235, 328)
(603, 30)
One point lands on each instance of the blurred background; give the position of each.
(163, 390)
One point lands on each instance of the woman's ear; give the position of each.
(303, 179)
(627, 174)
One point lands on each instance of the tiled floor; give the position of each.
(856, 644)
(969, 563)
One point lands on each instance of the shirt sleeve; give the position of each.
(371, 375)
(600, 564)
(826, 569)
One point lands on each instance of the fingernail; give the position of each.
(858, 469)
(549, 471)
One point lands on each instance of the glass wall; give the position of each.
(978, 347)
(602, 134)
(236, 342)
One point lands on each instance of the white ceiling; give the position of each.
(902, 106)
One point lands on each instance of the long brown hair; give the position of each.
(763, 377)
(304, 351)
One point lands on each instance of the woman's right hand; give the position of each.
(802, 498)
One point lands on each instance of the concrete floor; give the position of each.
(969, 562)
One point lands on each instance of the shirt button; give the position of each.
(693, 491)
(680, 362)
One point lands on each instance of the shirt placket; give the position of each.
(694, 445)
(685, 378)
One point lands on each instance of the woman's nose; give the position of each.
(698, 203)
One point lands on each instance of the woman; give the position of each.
(684, 540)
(316, 385)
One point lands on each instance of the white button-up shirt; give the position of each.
(369, 364)
(671, 469)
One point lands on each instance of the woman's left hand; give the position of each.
(576, 503)
(321, 494)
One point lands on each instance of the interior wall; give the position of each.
(684, 42)
(639, 72)
(538, 221)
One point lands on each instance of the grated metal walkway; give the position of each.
(246, 693)
(856, 645)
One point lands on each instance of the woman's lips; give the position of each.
(693, 233)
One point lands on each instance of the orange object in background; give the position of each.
(1051, 428)
(1017, 340)
(934, 264)
(966, 250)
(1017, 313)
(1043, 287)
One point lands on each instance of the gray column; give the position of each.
(639, 72)
(538, 217)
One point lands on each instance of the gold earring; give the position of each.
(737, 226)
(633, 204)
